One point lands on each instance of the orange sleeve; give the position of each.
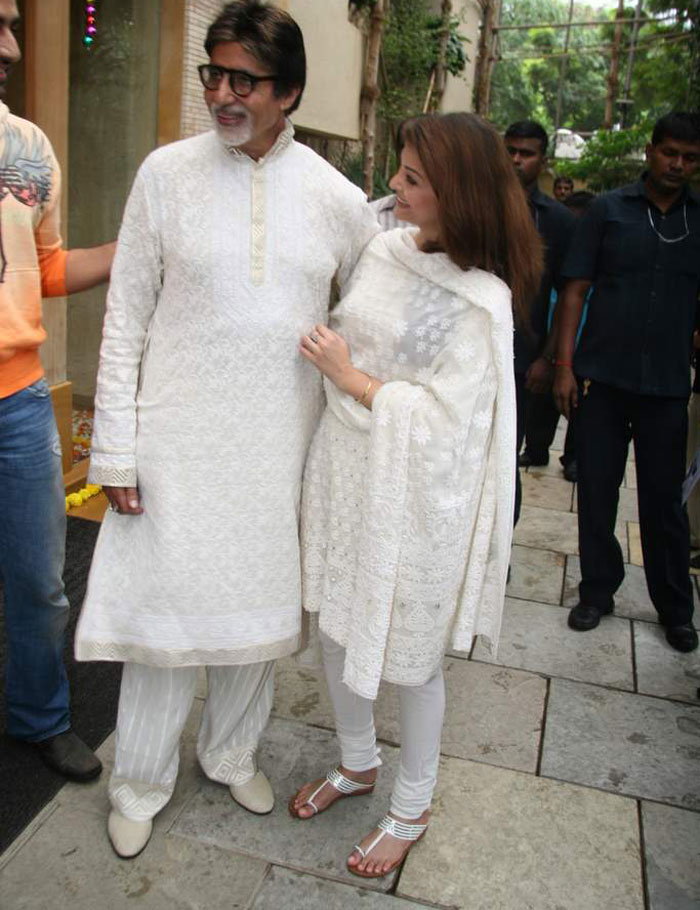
(53, 273)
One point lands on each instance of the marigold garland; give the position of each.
(73, 500)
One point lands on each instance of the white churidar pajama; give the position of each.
(154, 704)
(421, 710)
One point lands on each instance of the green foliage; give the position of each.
(353, 169)
(527, 88)
(407, 58)
(455, 56)
(664, 76)
(611, 158)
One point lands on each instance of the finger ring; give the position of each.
(114, 508)
(314, 338)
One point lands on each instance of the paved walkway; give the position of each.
(570, 777)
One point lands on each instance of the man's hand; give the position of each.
(124, 500)
(565, 391)
(538, 378)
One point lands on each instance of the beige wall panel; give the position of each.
(334, 57)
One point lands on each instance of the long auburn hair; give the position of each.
(484, 218)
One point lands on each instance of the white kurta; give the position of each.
(407, 510)
(204, 401)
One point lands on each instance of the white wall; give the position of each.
(334, 58)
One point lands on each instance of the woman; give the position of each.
(408, 490)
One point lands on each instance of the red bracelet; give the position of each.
(563, 363)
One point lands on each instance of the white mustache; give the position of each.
(229, 109)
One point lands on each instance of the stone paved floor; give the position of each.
(570, 775)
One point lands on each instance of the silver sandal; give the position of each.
(397, 829)
(344, 785)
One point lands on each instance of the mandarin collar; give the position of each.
(281, 143)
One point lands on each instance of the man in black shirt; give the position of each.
(526, 143)
(639, 246)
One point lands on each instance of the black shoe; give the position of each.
(571, 472)
(585, 617)
(68, 754)
(528, 460)
(682, 638)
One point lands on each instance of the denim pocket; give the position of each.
(39, 389)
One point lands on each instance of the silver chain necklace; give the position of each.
(670, 239)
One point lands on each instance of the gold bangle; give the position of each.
(363, 396)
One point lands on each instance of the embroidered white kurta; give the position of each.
(205, 403)
(407, 510)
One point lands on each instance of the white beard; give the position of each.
(233, 135)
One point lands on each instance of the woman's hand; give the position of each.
(330, 354)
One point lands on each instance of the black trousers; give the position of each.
(520, 405)
(541, 425)
(607, 418)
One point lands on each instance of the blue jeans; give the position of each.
(32, 548)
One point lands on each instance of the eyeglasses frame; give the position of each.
(232, 73)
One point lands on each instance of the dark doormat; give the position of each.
(26, 784)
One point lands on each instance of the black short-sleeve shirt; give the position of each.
(555, 224)
(642, 312)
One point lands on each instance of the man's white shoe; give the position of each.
(128, 837)
(255, 795)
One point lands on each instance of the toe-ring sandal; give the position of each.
(341, 783)
(400, 830)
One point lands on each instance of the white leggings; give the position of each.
(422, 711)
(154, 703)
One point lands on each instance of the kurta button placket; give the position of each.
(257, 224)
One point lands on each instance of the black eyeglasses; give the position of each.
(242, 83)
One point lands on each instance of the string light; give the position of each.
(90, 31)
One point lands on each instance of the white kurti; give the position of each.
(407, 510)
(204, 401)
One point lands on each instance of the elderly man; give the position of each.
(639, 248)
(205, 410)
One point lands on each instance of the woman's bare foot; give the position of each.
(328, 794)
(389, 852)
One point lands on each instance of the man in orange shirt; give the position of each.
(32, 532)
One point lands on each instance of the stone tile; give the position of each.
(627, 505)
(492, 714)
(547, 491)
(635, 543)
(629, 744)
(547, 529)
(536, 637)
(661, 670)
(511, 841)
(672, 853)
(551, 529)
(294, 891)
(631, 600)
(553, 469)
(292, 754)
(536, 575)
(69, 865)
